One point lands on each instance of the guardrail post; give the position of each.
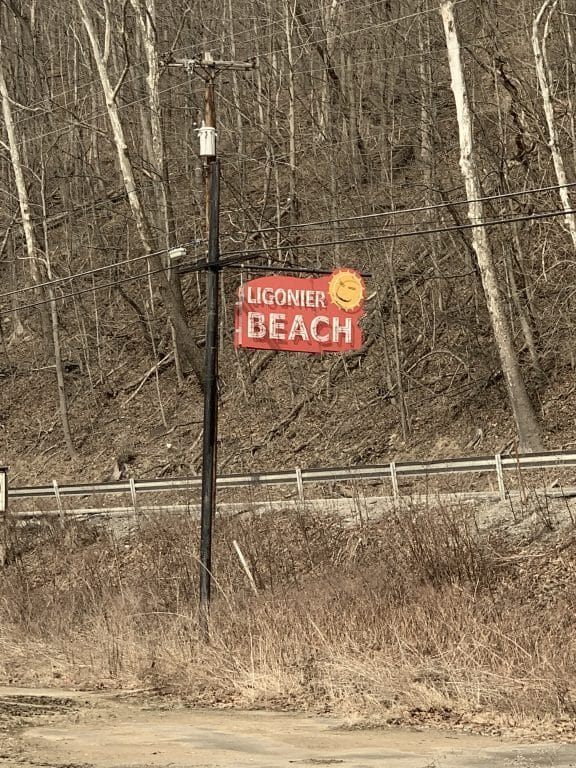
(394, 478)
(58, 499)
(500, 474)
(520, 481)
(299, 484)
(133, 495)
(4, 543)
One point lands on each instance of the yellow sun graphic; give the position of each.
(346, 289)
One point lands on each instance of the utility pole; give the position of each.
(208, 139)
(208, 151)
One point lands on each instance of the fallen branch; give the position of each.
(245, 566)
(261, 364)
(140, 382)
(288, 420)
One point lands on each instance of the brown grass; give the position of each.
(416, 617)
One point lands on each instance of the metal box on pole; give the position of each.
(207, 135)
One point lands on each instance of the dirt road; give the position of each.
(63, 729)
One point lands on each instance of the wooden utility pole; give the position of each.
(208, 139)
(208, 151)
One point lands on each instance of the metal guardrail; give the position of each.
(392, 472)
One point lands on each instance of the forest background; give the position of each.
(345, 146)
(429, 144)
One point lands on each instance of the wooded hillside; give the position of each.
(354, 141)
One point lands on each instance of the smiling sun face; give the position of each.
(346, 289)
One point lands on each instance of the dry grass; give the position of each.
(415, 617)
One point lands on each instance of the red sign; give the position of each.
(301, 314)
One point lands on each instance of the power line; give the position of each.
(349, 33)
(101, 203)
(311, 25)
(61, 131)
(267, 54)
(131, 278)
(307, 225)
(398, 211)
(60, 280)
(103, 113)
(207, 44)
(238, 258)
(382, 59)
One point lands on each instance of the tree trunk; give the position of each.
(523, 411)
(543, 72)
(289, 18)
(17, 168)
(190, 355)
(55, 325)
(33, 252)
(161, 181)
(427, 147)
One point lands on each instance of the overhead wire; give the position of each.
(388, 22)
(299, 246)
(208, 44)
(349, 33)
(264, 55)
(66, 279)
(256, 36)
(125, 105)
(60, 131)
(101, 203)
(239, 258)
(91, 289)
(398, 211)
(340, 34)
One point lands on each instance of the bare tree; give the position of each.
(190, 355)
(33, 251)
(524, 415)
(543, 71)
(146, 15)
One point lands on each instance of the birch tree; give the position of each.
(524, 415)
(539, 39)
(32, 249)
(190, 355)
(146, 15)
